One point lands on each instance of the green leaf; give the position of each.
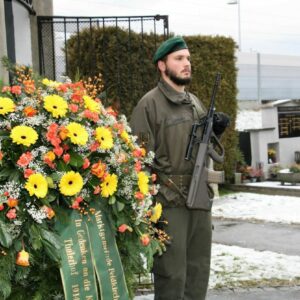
(5, 237)
(6, 172)
(61, 166)
(120, 206)
(52, 243)
(112, 200)
(76, 159)
(35, 236)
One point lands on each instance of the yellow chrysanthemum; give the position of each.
(143, 180)
(109, 185)
(91, 104)
(104, 137)
(24, 135)
(37, 185)
(125, 137)
(56, 105)
(77, 133)
(156, 213)
(50, 83)
(6, 105)
(71, 183)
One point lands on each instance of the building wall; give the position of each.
(276, 77)
(262, 140)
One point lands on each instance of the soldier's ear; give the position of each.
(161, 65)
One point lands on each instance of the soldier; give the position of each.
(162, 120)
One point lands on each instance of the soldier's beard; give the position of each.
(177, 80)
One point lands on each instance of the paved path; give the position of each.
(280, 238)
(280, 293)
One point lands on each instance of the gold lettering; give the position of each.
(70, 256)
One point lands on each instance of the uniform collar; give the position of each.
(173, 95)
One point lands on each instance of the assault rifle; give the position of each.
(198, 197)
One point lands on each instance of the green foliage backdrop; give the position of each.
(128, 76)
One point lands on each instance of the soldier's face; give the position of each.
(178, 67)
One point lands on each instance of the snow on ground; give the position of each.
(234, 266)
(250, 206)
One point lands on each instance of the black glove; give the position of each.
(221, 122)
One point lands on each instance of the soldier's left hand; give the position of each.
(221, 122)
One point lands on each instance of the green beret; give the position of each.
(171, 45)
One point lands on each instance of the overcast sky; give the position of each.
(267, 26)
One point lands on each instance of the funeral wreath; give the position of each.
(62, 151)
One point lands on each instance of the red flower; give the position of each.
(138, 166)
(58, 151)
(94, 146)
(28, 172)
(66, 157)
(11, 214)
(139, 196)
(73, 108)
(24, 159)
(6, 89)
(1, 206)
(122, 228)
(86, 163)
(145, 239)
(1, 155)
(16, 89)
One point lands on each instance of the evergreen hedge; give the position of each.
(125, 61)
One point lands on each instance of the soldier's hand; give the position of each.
(221, 122)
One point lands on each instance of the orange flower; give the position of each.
(29, 86)
(139, 152)
(49, 156)
(11, 202)
(1, 155)
(94, 146)
(91, 115)
(98, 169)
(63, 132)
(49, 211)
(29, 111)
(145, 239)
(122, 228)
(23, 258)
(1, 206)
(139, 196)
(24, 159)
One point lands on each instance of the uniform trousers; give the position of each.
(182, 272)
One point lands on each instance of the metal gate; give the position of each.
(54, 33)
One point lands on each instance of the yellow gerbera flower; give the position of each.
(104, 137)
(6, 105)
(24, 135)
(156, 213)
(109, 185)
(143, 180)
(91, 104)
(37, 185)
(56, 105)
(71, 183)
(77, 133)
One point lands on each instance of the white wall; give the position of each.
(22, 34)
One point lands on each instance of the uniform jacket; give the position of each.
(162, 120)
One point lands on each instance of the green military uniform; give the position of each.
(163, 120)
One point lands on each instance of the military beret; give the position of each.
(171, 45)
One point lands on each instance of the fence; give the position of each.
(54, 33)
